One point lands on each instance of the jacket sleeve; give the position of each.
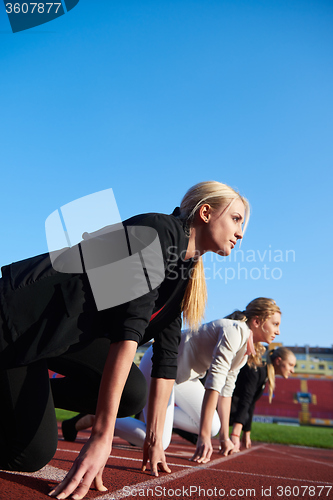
(128, 321)
(165, 350)
(248, 424)
(227, 346)
(247, 385)
(230, 382)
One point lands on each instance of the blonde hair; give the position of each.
(272, 355)
(263, 309)
(215, 194)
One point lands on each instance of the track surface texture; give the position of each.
(265, 471)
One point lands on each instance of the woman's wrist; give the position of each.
(235, 435)
(205, 432)
(101, 434)
(153, 438)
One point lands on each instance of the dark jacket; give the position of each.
(46, 311)
(250, 385)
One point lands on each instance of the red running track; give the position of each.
(264, 471)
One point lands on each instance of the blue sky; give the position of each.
(149, 98)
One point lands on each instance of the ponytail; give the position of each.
(270, 375)
(195, 298)
(237, 315)
(256, 360)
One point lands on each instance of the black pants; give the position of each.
(28, 427)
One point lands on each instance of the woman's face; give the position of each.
(271, 328)
(285, 367)
(223, 227)
(266, 331)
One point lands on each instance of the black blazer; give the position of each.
(250, 385)
(45, 311)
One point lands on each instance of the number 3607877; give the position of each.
(31, 8)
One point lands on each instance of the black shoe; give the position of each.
(189, 436)
(68, 427)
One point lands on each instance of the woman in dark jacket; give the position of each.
(250, 385)
(50, 317)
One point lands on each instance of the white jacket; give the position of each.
(219, 347)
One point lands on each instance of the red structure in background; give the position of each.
(323, 390)
(285, 404)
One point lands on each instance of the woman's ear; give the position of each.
(277, 361)
(276, 364)
(204, 212)
(256, 321)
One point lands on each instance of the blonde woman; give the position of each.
(47, 315)
(250, 385)
(259, 322)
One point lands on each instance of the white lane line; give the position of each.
(303, 458)
(55, 474)
(305, 447)
(126, 458)
(271, 477)
(48, 472)
(157, 481)
(51, 473)
(115, 457)
(137, 449)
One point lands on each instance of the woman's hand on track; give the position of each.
(87, 468)
(227, 447)
(246, 440)
(203, 451)
(237, 444)
(155, 454)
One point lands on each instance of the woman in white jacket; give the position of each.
(221, 347)
(242, 336)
